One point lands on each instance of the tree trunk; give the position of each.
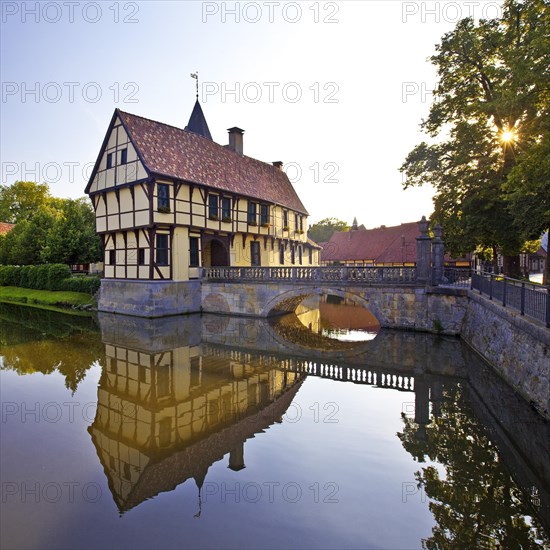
(511, 266)
(495, 259)
(546, 272)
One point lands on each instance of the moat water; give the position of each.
(314, 430)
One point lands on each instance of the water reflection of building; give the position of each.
(167, 416)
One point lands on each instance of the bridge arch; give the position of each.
(288, 301)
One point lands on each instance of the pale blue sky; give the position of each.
(370, 61)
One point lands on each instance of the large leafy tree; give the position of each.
(486, 119)
(72, 238)
(48, 229)
(21, 200)
(528, 189)
(23, 245)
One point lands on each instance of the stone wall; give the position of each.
(149, 298)
(518, 349)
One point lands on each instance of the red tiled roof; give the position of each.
(176, 153)
(6, 227)
(382, 245)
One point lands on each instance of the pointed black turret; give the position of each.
(197, 123)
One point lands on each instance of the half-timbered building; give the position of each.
(169, 201)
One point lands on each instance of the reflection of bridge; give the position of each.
(357, 375)
(397, 352)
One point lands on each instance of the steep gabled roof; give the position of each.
(382, 245)
(197, 122)
(175, 153)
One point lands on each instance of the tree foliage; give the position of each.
(24, 243)
(322, 231)
(48, 229)
(38, 340)
(487, 123)
(72, 238)
(21, 200)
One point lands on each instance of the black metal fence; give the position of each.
(528, 298)
(457, 276)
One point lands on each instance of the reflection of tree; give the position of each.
(35, 340)
(72, 357)
(24, 324)
(476, 503)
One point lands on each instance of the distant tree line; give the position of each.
(47, 229)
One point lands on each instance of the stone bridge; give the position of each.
(394, 295)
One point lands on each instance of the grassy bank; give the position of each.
(60, 300)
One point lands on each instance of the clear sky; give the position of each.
(335, 90)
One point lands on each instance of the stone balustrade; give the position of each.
(340, 274)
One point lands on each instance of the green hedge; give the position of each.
(81, 284)
(47, 277)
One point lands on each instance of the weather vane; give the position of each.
(195, 75)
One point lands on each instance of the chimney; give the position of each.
(236, 139)
(278, 164)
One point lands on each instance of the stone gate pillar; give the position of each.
(423, 253)
(438, 255)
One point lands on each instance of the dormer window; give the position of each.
(110, 160)
(124, 156)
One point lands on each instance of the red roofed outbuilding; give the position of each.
(382, 246)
